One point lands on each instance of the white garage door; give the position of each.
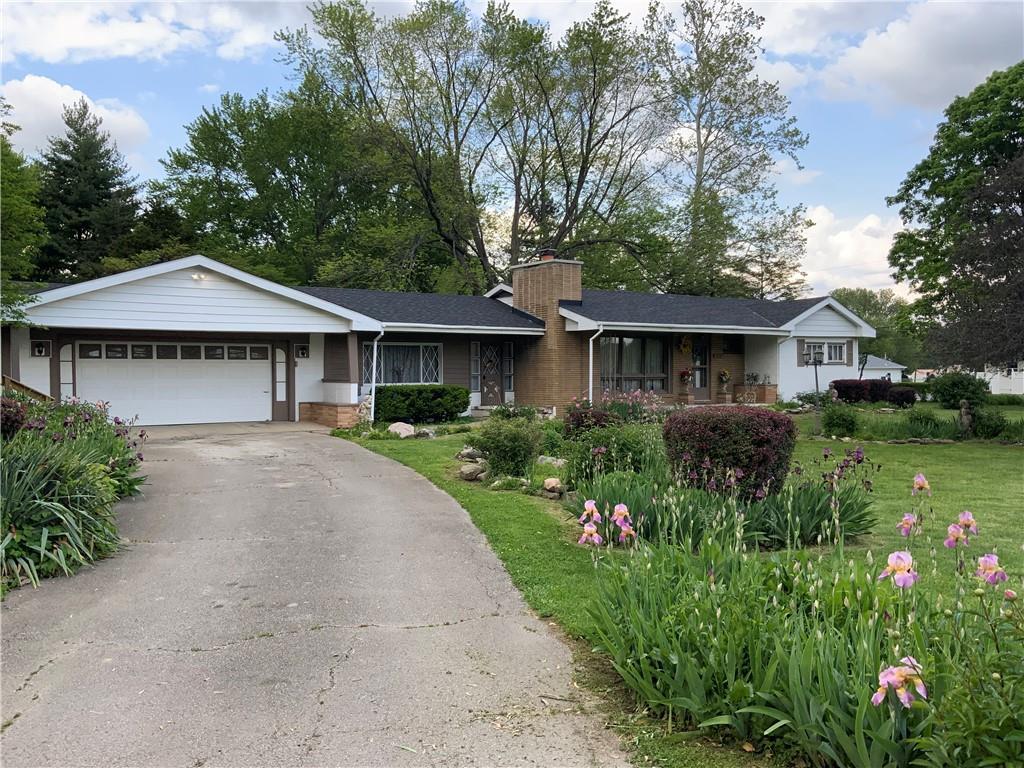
(177, 383)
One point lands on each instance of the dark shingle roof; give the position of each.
(676, 309)
(427, 308)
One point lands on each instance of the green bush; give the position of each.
(1004, 400)
(950, 388)
(918, 423)
(513, 411)
(813, 398)
(511, 446)
(552, 442)
(60, 476)
(1013, 432)
(420, 403)
(626, 447)
(989, 424)
(839, 420)
(923, 388)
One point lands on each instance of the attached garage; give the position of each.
(169, 382)
(186, 342)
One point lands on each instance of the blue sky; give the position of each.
(868, 82)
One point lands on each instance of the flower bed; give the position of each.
(840, 662)
(63, 467)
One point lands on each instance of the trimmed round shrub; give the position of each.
(711, 443)
(12, 417)
(511, 446)
(950, 388)
(839, 420)
(421, 402)
(902, 397)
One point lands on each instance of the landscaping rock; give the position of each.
(553, 485)
(469, 454)
(551, 495)
(472, 471)
(553, 461)
(424, 433)
(402, 429)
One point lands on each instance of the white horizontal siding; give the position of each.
(826, 322)
(176, 301)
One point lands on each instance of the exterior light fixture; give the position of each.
(198, 276)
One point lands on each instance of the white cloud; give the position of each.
(76, 32)
(788, 171)
(36, 105)
(849, 253)
(815, 28)
(788, 75)
(209, 88)
(934, 52)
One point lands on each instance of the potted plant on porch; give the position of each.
(724, 377)
(685, 381)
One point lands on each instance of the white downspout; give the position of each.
(373, 375)
(590, 377)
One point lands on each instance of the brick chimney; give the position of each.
(553, 367)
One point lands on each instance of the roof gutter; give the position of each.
(590, 375)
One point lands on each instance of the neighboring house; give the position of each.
(879, 368)
(197, 341)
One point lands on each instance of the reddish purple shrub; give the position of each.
(12, 417)
(902, 397)
(583, 416)
(862, 390)
(722, 448)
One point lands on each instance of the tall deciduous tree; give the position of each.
(982, 308)
(21, 221)
(731, 129)
(292, 188)
(88, 197)
(982, 132)
(489, 115)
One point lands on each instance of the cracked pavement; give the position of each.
(286, 598)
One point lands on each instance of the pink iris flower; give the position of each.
(900, 566)
(907, 525)
(590, 510)
(921, 485)
(625, 532)
(989, 569)
(590, 535)
(901, 679)
(957, 535)
(620, 513)
(967, 521)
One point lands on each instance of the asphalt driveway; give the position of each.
(289, 599)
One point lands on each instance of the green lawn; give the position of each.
(536, 541)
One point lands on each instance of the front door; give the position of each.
(701, 356)
(490, 375)
(279, 382)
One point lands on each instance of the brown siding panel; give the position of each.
(336, 357)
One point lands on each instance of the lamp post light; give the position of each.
(815, 358)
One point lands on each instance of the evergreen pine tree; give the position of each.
(88, 196)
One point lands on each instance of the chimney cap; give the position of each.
(546, 254)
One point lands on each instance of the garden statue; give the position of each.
(966, 418)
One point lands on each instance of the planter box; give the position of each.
(759, 393)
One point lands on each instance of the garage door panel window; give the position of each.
(116, 351)
(213, 353)
(237, 353)
(142, 351)
(166, 351)
(90, 351)
(403, 363)
(191, 352)
(259, 353)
